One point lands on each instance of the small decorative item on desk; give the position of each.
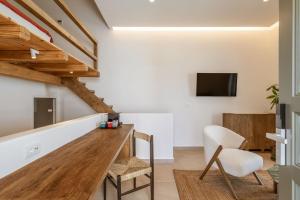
(112, 122)
(115, 123)
(103, 124)
(115, 119)
(109, 125)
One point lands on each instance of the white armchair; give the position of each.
(223, 150)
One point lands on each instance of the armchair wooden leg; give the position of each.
(119, 187)
(226, 178)
(257, 178)
(212, 160)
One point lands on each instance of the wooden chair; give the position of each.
(224, 147)
(131, 168)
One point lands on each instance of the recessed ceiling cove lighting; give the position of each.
(152, 1)
(193, 29)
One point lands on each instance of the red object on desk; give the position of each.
(109, 124)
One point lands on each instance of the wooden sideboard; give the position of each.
(253, 127)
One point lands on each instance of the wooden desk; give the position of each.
(74, 171)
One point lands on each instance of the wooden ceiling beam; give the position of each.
(78, 74)
(14, 32)
(25, 56)
(60, 68)
(16, 71)
(57, 65)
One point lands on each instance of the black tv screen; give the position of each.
(217, 84)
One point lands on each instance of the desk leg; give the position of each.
(126, 151)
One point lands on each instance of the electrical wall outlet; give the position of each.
(32, 150)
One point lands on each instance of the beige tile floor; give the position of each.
(165, 187)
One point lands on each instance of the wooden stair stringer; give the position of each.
(86, 95)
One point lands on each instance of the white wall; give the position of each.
(14, 149)
(16, 104)
(69, 105)
(156, 72)
(160, 125)
(17, 101)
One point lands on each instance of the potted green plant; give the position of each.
(274, 96)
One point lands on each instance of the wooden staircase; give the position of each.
(52, 65)
(87, 95)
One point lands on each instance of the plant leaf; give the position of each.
(271, 97)
(274, 92)
(274, 96)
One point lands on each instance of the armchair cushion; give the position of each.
(240, 163)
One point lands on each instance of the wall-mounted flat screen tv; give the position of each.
(217, 84)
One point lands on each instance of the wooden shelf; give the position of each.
(16, 42)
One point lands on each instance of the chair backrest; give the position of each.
(214, 136)
(147, 138)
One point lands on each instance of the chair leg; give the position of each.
(104, 188)
(257, 178)
(119, 187)
(212, 160)
(134, 183)
(152, 186)
(226, 178)
(275, 185)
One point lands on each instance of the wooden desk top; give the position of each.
(74, 171)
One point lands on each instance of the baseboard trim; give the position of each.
(187, 148)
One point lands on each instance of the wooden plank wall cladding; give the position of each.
(253, 127)
(74, 171)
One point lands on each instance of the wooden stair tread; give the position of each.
(16, 42)
(86, 95)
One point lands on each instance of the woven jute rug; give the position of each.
(214, 187)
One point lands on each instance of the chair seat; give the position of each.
(129, 169)
(240, 163)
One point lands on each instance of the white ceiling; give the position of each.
(188, 13)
